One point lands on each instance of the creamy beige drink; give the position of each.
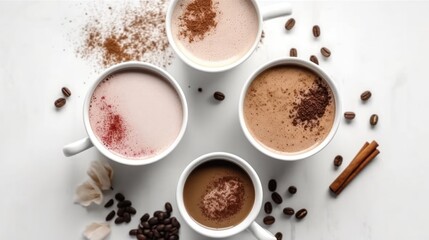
(214, 33)
(289, 109)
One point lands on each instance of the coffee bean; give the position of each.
(288, 211)
(119, 197)
(127, 217)
(292, 189)
(141, 237)
(272, 185)
(175, 223)
(338, 160)
(162, 216)
(168, 207)
(119, 220)
(325, 52)
(268, 220)
(124, 204)
(268, 207)
(365, 95)
(109, 203)
(121, 212)
(131, 210)
(279, 236)
(145, 217)
(316, 31)
(160, 227)
(66, 91)
(349, 115)
(219, 96)
(174, 230)
(110, 216)
(167, 221)
(276, 198)
(290, 23)
(168, 227)
(133, 232)
(156, 213)
(156, 233)
(145, 225)
(173, 237)
(301, 213)
(373, 120)
(147, 232)
(314, 59)
(153, 220)
(293, 52)
(60, 102)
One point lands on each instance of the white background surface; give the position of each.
(379, 46)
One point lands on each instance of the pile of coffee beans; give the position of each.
(124, 209)
(277, 198)
(160, 226)
(373, 119)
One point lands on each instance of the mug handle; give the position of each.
(276, 10)
(77, 147)
(260, 232)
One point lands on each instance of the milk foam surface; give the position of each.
(234, 35)
(135, 114)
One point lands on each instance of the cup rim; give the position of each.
(319, 71)
(201, 67)
(221, 233)
(142, 66)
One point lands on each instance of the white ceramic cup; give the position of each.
(248, 223)
(291, 156)
(92, 140)
(265, 13)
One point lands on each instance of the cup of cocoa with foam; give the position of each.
(289, 109)
(135, 113)
(220, 195)
(217, 35)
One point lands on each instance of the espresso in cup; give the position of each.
(218, 194)
(289, 109)
(215, 33)
(135, 114)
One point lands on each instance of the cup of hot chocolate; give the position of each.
(135, 113)
(220, 195)
(289, 109)
(217, 35)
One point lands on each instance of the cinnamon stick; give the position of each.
(362, 155)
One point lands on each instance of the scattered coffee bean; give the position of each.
(301, 213)
(124, 204)
(66, 91)
(268, 207)
(373, 120)
(288, 211)
(293, 52)
(168, 207)
(120, 197)
(365, 95)
(109, 203)
(349, 115)
(269, 220)
(325, 52)
(279, 236)
(145, 217)
(60, 102)
(121, 212)
(276, 198)
(316, 31)
(290, 23)
(292, 189)
(314, 59)
(119, 220)
(219, 96)
(272, 185)
(110, 216)
(133, 232)
(131, 210)
(141, 237)
(338, 160)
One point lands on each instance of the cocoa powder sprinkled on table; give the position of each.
(198, 19)
(126, 32)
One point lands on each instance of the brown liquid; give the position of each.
(218, 194)
(270, 109)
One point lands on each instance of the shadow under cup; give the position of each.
(219, 195)
(289, 109)
(125, 113)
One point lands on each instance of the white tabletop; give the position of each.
(379, 46)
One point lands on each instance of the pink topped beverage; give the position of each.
(135, 114)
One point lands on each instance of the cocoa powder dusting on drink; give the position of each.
(114, 130)
(311, 105)
(198, 19)
(128, 31)
(223, 199)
